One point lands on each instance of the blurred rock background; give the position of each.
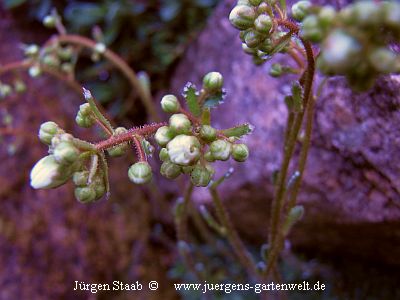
(349, 238)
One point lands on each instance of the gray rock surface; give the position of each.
(351, 188)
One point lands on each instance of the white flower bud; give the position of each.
(140, 172)
(179, 124)
(301, 9)
(48, 173)
(240, 152)
(221, 149)
(242, 16)
(213, 81)
(163, 136)
(47, 131)
(184, 150)
(170, 104)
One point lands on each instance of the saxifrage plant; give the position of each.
(355, 42)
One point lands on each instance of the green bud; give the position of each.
(66, 153)
(31, 50)
(276, 70)
(264, 8)
(339, 53)
(47, 131)
(100, 48)
(120, 149)
(19, 86)
(201, 175)
(252, 39)
(187, 169)
(367, 13)
(179, 124)
(294, 215)
(170, 104)
(240, 152)
(326, 16)
(213, 81)
(184, 150)
(266, 46)
(209, 157)
(67, 67)
(242, 16)
(49, 21)
(221, 149)
(61, 137)
(248, 50)
(170, 170)
(80, 178)
(383, 60)
(100, 190)
(163, 155)
(311, 30)
(263, 24)
(208, 133)
(5, 90)
(65, 53)
(391, 14)
(34, 71)
(48, 173)
(163, 136)
(84, 117)
(51, 60)
(300, 10)
(140, 173)
(243, 2)
(85, 194)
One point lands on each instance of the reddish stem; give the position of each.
(128, 136)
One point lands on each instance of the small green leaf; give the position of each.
(297, 95)
(190, 95)
(238, 131)
(206, 117)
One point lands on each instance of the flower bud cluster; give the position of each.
(354, 41)
(66, 160)
(260, 36)
(189, 148)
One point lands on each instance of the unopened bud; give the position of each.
(66, 153)
(170, 170)
(48, 173)
(242, 16)
(163, 136)
(140, 173)
(170, 104)
(213, 81)
(240, 152)
(184, 150)
(301, 9)
(221, 149)
(47, 131)
(201, 175)
(208, 133)
(179, 124)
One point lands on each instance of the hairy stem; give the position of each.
(128, 136)
(278, 203)
(118, 62)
